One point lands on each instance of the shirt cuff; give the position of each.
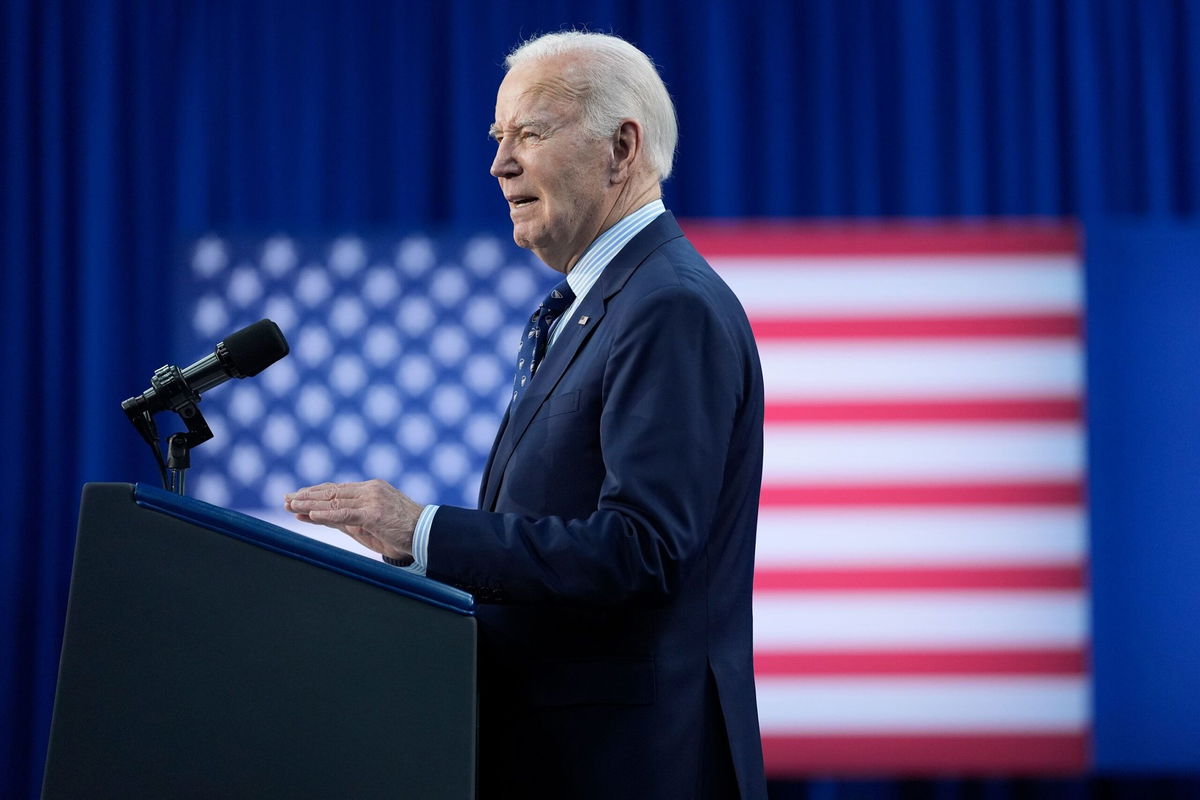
(420, 541)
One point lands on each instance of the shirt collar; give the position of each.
(606, 246)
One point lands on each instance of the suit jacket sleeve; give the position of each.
(670, 380)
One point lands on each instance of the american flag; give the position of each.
(920, 598)
(920, 593)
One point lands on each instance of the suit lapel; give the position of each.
(591, 310)
(579, 329)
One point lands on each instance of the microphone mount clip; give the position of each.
(175, 394)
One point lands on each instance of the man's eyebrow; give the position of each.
(495, 129)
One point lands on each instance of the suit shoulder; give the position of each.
(676, 264)
(675, 281)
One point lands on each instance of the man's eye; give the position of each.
(530, 136)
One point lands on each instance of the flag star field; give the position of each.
(401, 356)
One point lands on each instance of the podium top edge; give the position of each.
(271, 537)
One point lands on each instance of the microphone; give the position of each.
(241, 354)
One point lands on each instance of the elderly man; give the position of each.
(613, 548)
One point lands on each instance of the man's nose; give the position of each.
(505, 165)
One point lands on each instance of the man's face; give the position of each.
(554, 175)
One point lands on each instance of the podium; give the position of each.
(209, 654)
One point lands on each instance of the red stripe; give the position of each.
(919, 578)
(1049, 493)
(1021, 326)
(1066, 661)
(1036, 409)
(797, 755)
(774, 238)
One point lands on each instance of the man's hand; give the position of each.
(375, 514)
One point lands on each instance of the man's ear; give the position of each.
(626, 148)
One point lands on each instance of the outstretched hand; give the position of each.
(374, 513)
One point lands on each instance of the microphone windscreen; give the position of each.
(255, 347)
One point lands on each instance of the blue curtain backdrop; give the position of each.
(129, 127)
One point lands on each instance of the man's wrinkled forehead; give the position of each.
(554, 88)
(542, 88)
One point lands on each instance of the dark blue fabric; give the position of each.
(615, 538)
(131, 126)
(1144, 493)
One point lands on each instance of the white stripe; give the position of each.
(918, 536)
(923, 620)
(923, 453)
(924, 285)
(923, 705)
(900, 369)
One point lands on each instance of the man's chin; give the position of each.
(524, 236)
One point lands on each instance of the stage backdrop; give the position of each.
(131, 128)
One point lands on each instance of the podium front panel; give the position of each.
(200, 665)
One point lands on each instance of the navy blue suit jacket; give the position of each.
(613, 550)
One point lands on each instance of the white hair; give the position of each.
(618, 82)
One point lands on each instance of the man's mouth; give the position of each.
(520, 200)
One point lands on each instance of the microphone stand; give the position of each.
(179, 445)
(169, 383)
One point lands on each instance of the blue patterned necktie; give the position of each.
(533, 345)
